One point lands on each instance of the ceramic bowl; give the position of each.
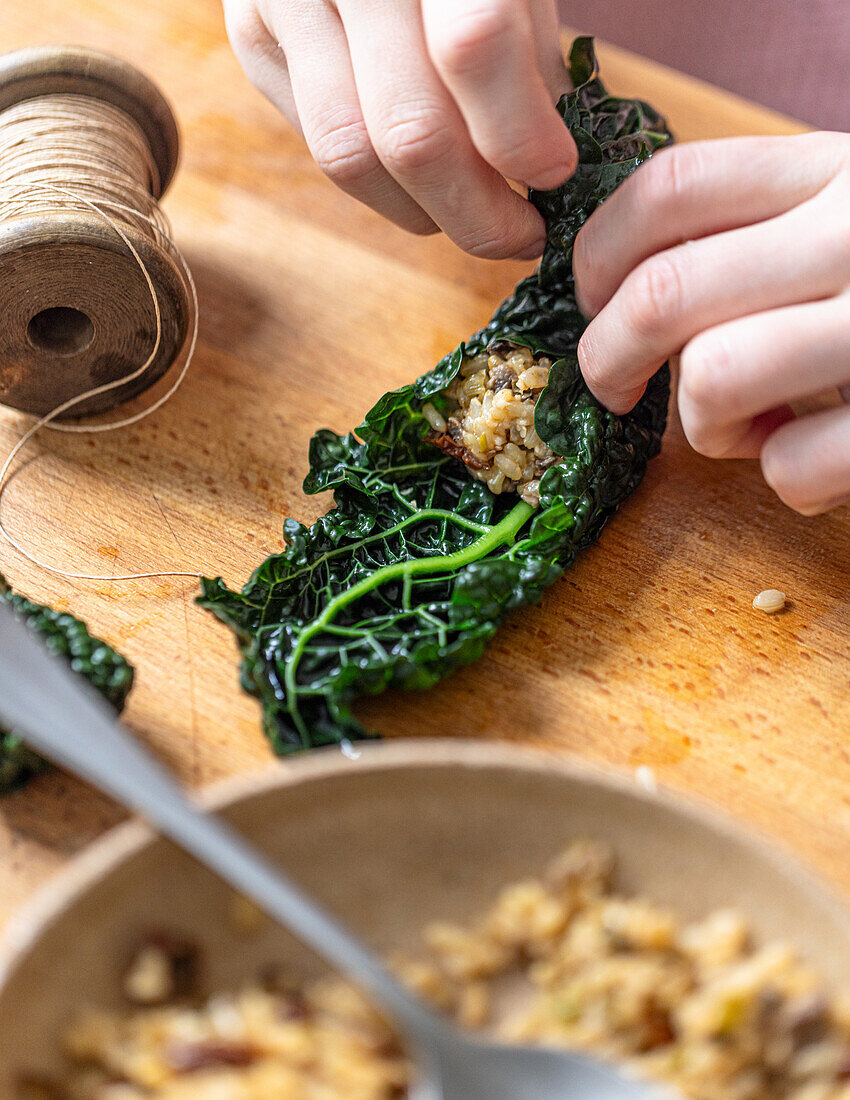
(410, 831)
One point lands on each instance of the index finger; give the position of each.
(488, 57)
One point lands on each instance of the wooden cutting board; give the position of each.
(647, 653)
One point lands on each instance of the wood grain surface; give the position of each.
(648, 652)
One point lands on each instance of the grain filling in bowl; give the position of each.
(562, 959)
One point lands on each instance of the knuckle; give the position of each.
(472, 40)
(343, 152)
(655, 296)
(414, 143)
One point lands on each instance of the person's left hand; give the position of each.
(735, 254)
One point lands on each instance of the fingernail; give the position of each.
(533, 250)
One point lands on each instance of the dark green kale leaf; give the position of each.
(412, 571)
(68, 637)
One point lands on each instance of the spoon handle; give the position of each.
(63, 718)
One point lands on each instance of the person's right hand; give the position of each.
(422, 109)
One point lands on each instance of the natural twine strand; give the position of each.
(70, 152)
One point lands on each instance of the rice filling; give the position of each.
(489, 420)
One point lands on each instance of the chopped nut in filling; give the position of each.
(490, 426)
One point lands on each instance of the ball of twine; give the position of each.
(62, 153)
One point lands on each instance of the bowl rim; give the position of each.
(47, 905)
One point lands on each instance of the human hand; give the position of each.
(422, 109)
(756, 301)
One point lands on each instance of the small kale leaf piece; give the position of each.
(67, 637)
(411, 572)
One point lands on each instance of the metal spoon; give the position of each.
(64, 719)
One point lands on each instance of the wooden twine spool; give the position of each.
(76, 311)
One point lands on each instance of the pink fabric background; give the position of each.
(793, 55)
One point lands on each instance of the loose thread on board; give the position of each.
(67, 152)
